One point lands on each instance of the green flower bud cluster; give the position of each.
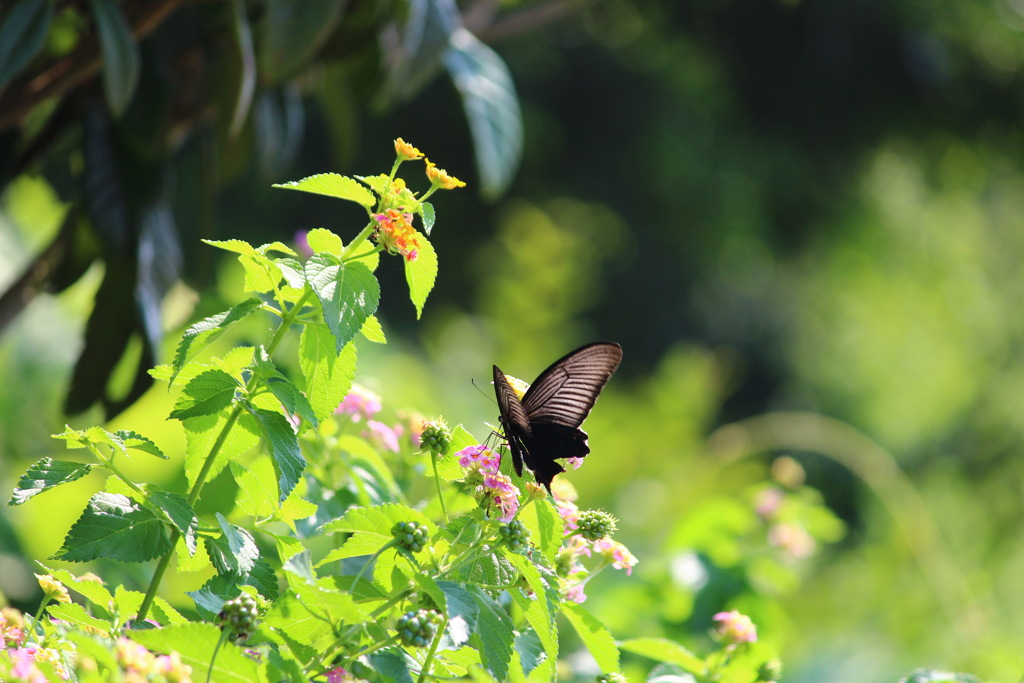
(770, 671)
(410, 536)
(594, 525)
(436, 437)
(417, 629)
(515, 535)
(612, 678)
(238, 616)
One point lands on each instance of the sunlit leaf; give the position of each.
(115, 527)
(46, 474)
(332, 185)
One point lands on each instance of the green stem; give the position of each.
(211, 458)
(360, 238)
(213, 657)
(437, 480)
(433, 650)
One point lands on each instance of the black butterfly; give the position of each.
(545, 425)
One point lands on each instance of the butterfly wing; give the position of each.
(513, 418)
(566, 391)
(545, 425)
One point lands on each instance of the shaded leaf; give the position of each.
(494, 634)
(21, 36)
(492, 108)
(247, 82)
(121, 63)
(291, 32)
(348, 293)
(180, 514)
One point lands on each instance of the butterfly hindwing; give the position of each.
(545, 425)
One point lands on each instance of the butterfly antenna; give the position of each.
(489, 397)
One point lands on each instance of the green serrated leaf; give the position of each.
(121, 62)
(545, 525)
(179, 513)
(393, 665)
(201, 433)
(372, 330)
(428, 216)
(138, 442)
(236, 246)
(665, 650)
(421, 273)
(256, 487)
(492, 108)
(530, 650)
(205, 394)
(328, 373)
(322, 240)
(332, 185)
(93, 591)
(76, 614)
(46, 474)
(195, 642)
(242, 552)
(21, 35)
(115, 527)
(206, 331)
(594, 635)
(541, 608)
(348, 293)
(284, 450)
(494, 634)
(370, 528)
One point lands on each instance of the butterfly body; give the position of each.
(545, 424)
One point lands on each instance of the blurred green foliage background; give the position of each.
(782, 210)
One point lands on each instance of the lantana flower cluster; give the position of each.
(494, 489)
(572, 573)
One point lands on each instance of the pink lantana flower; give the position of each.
(479, 457)
(735, 628)
(500, 490)
(574, 593)
(616, 553)
(383, 435)
(360, 404)
(570, 514)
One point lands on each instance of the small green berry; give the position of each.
(238, 616)
(515, 535)
(612, 678)
(436, 437)
(417, 629)
(410, 536)
(594, 525)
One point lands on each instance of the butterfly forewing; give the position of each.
(567, 390)
(513, 418)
